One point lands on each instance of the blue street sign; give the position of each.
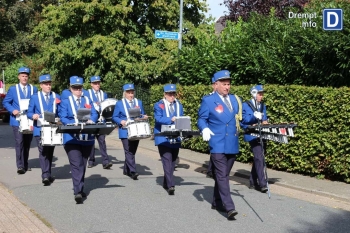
(166, 35)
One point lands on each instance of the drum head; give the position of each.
(107, 112)
(107, 108)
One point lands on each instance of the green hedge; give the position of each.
(321, 145)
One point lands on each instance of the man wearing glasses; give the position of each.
(96, 95)
(78, 147)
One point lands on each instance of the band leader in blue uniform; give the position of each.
(121, 117)
(253, 111)
(16, 94)
(165, 112)
(77, 147)
(96, 95)
(218, 119)
(44, 101)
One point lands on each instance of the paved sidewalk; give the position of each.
(16, 217)
(326, 188)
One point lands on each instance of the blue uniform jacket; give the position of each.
(248, 119)
(214, 114)
(161, 119)
(94, 98)
(119, 115)
(34, 108)
(11, 101)
(66, 115)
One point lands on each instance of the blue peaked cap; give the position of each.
(24, 69)
(257, 88)
(170, 88)
(95, 79)
(45, 78)
(220, 75)
(76, 81)
(128, 87)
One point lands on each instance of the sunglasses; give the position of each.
(77, 88)
(171, 93)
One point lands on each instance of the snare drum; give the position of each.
(139, 130)
(25, 124)
(107, 108)
(49, 137)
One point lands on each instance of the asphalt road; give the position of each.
(115, 203)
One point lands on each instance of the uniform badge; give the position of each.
(87, 106)
(161, 106)
(57, 101)
(219, 108)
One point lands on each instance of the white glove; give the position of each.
(206, 134)
(258, 115)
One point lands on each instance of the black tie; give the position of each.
(78, 102)
(97, 96)
(24, 91)
(171, 108)
(132, 104)
(47, 98)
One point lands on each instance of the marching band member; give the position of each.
(96, 95)
(121, 117)
(18, 96)
(165, 112)
(77, 150)
(43, 101)
(218, 119)
(253, 111)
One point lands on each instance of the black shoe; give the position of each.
(107, 166)
(78, 198)
(21, 171)
(210, 175)
(51, 179)
(256, 187)
(134, 175)
(46, 181)
(231, 215)
(28, 169)
(171, 191)
(83, 194)
(264, 189)
(220, 209)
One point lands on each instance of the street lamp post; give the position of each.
(180, 26)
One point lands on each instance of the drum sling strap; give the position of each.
(254, 108)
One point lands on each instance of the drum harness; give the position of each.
(19, 98)
(80, 136)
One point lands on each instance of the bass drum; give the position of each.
(107, 108)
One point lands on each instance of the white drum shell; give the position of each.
(49, 137)
(138, 130)
(25, 124)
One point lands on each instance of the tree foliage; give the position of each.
(244, 8)
(114, 39)
(266, 49)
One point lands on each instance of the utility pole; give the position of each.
(180, 26)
